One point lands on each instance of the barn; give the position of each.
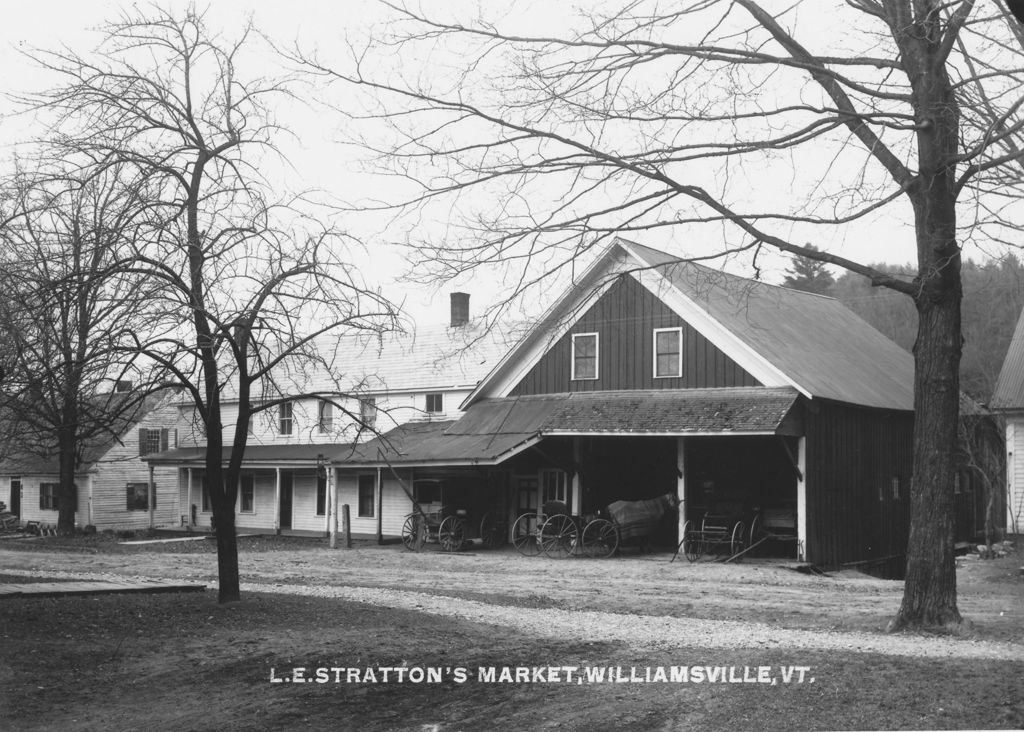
(652, 376)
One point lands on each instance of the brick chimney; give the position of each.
(460, 309)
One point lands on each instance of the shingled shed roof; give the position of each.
(1009, 391)
(816, 341)
(492, 430)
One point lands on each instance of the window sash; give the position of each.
(435, 403)
(585, 351)
(367, 496)
(284, 418)
(368, 412)
(247, 494)
(325, 416)
(668, 353)
(137, 495)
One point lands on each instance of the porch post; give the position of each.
(681, 484)
(380, 509)
(188, 495)
(801, 500)
(151, 497)
(332, 492)
(277, 500)
(89, 483)
(577, 500)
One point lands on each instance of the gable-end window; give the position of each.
(368, 412)
(153, 440)
(668, 353)
(584, 356)
(284, 418)
(138, 496)
(247, 493)
(324, 416)
(435, 403)
(367, 495)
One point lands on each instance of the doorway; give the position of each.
(15, 506)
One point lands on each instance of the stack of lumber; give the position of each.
(8, 521)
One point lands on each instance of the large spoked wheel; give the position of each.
(600, 538)
(693, 543)
(492, 531)
(738, 535)
(559, 536)
(451, 534)
(525, 537)
(412, 533)
(755, 529)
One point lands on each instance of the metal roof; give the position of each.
(814, 340)
(493, 430)
(1009, 391)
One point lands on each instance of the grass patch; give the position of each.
(184, 662)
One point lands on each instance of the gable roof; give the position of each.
(1009, 391)
(782, 337)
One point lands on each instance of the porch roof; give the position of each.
(493, 430)
(254, 454)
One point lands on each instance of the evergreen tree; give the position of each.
(809, 275)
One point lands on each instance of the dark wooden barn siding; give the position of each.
(855, 511)
(625, 319)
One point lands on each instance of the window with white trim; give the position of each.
(435, 403)
(368, 412)
(247, 493)
(324, 416)
(584, 356)
(137, 496)
(668, 353)
(48, 496)
(367, 495)
(554, 486)
(284, 418)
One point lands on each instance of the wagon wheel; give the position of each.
(492, 531)
(600, 538)
(559, 536)
(755, 529)
(524, 535)
(692, 543)
(412, 533)
(451, 534)
(736, 544)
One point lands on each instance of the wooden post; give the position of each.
(346, 526)
(380, 509)
(277, 500)
(801, 500)
(188, 494)
(681, 484)
(151, 497)
(332, 497)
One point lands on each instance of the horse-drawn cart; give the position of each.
(557, 534)
(722, 530)
(450, 529)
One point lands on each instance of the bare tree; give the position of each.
(658, 117)
(69, 318)
(247, 285)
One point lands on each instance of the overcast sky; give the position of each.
(316, 156)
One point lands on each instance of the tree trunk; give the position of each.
(929, 597)
(66, 498)
(227, 558)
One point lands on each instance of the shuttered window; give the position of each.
(153, 440)
(138, 496)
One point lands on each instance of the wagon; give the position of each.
(451, 529)
(721, 530)
(558, 534)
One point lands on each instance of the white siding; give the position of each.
(1015, 474)
(121, 465)
(395, 505)
(30, 510)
